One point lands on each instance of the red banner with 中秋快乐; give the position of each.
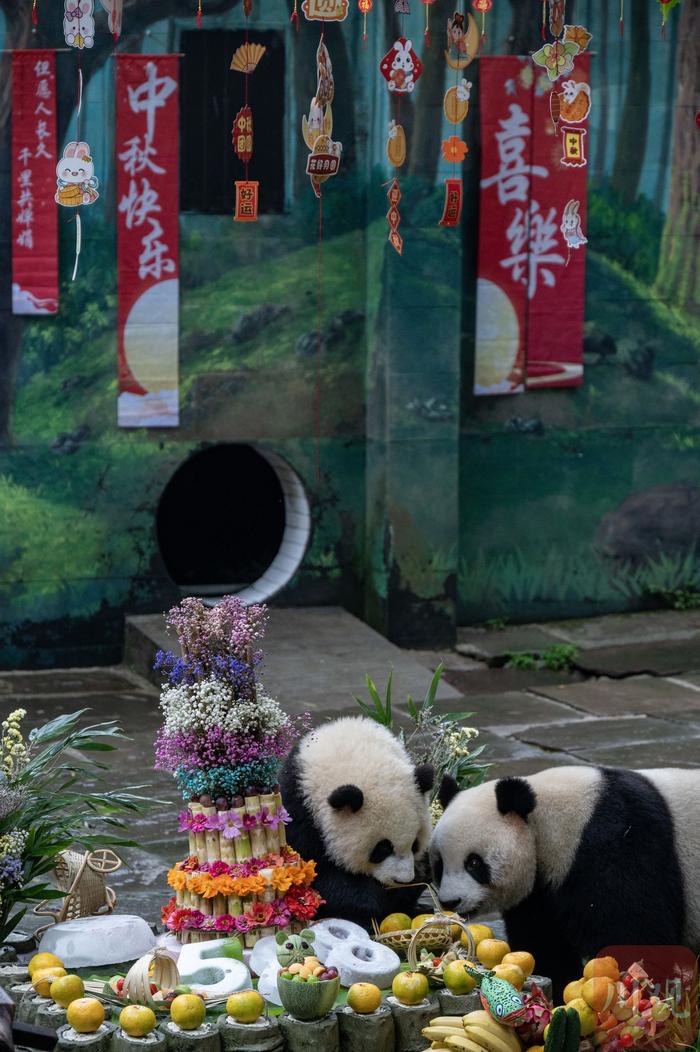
(530, 288)
(147, 149)
(34, 211)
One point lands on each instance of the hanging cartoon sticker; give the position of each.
(246, 201)
(319, 122)
(325, 10)
(393, 217)
(556, 59)
(79, 23)
(571, 225)
(401, 67)
(114, 13)
(556, 17)
(242, 134)
(574, 101)
(323, 161)
(462, 41)
(396, 145)
(456, 102)
(574, 154)
(577, 35)
(76, 183)
(325, 85)
(452, 210)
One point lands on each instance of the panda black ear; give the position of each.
(424, 776)
(515, 796)
(448, 790)
(346, 796)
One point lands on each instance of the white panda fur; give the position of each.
(578, 858)
(350, 786)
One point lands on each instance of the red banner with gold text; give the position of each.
(147, 149)
(34, 211)
(530, 290)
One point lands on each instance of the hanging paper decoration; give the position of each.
(402, 7)
(325, 85)
(76, 183)
(482, 6)
(34, 216)
(666, 6)
(578, 35)
(464, 45)
(393, 216)
(529, 318)
(243, 134)
(574, 101)
(556, 59)
(571, 228)
(246, 201)
(79, 23)
(556, 17)
(452, 210)
(401, 67)
(35, 15)
(324, 159)
(114, 12)
(325, 10)
(456, 102)
(147, 194)
(454, 150)
(364, 7)
(396, 145)
(572, 140)
(246, 57)
(555, 108)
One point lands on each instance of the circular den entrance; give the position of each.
(233, 519)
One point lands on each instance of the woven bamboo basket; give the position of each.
(434, 935)
(442, 920)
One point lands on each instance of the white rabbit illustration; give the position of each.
(76, 183)
(402, 67)
(79, 23)
(571, 225)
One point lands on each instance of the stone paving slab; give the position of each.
(662, 658)
(505, 680)
(679, 753)
(626, 629)
(449, 659)
(588, 735)
(636, 694)
(65, 681)
(492, 645)
(518, 708)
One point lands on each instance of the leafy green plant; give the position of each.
(629, 234)
(432, 736)
(46, 807)
(682, 598)
(496, 624)
(560, 657)
(524, 661)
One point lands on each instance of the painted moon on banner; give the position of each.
(497, 339)
(151, 337)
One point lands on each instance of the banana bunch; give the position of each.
(474, 1032)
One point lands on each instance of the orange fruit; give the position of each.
(478, 932)
(422, 919)
(85, 1015)
(511, 973)
(66, 988)
(524, 961)
(245, 1006)
(602, 967)
(188, 1011)
(43, 977)
(492, 951)
(572, 990)
(456, 979)
(410, 988)
(395, 922)
(137, 1020)
(43, 960)
(599, 993)
(364, 998)
(456, 929)
(587, 1016)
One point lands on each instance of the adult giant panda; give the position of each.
(359, 807)
(576, 859)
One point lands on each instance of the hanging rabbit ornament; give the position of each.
(114, 16)
(76, 185)
(79, 23)
(571, 228)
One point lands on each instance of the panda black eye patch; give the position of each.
(381, 851)
(477, 869)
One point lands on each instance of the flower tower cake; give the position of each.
(223, 739)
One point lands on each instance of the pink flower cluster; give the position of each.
(230, 824)
(228, 628)
(299, 903)
(287, 857)
(216, 747)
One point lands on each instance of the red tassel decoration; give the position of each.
(35, 16)
(622, 18)
(199, 14)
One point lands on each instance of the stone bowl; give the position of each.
(307, 1001)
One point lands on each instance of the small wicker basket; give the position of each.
(435, 934)
(442, 920)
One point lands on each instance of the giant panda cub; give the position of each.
(576, 859)
(359, 808)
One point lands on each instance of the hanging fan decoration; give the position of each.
(245, 61)
(114, 10)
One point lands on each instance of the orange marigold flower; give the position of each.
(281, 878)
(454, 149)
(176, 878)
(225, 885)
(202, 884)
(310, 871)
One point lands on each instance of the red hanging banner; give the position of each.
(34, 211)
(147, 148)
(530, 290)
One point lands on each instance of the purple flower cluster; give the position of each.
(11, 871)
(216, 747)
(229, 628)
(239, 674)
(231, 824)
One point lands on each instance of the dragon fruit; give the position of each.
(538, 1012)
